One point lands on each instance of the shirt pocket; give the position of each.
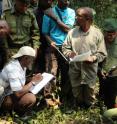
(26, 26)
(11, 20)
(92, 46)
(12, 25)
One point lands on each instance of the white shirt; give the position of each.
(14, 74)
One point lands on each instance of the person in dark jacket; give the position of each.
(4, 31)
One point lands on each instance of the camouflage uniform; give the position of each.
(24, 29)
(33, 6)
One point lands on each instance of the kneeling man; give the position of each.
(16, 95)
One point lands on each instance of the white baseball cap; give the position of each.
(25, 50)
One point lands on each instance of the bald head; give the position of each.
(84, 18)
(87, 12)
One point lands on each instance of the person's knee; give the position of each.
(31, 98)
(7, 103)
(28, 99)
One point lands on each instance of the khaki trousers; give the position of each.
(84, 94)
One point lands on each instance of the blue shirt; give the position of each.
(51, 28)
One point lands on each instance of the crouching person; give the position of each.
(17, 95)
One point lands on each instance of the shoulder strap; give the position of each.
(59, 14)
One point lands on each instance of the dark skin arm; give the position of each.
(35, 80)
(52, 43)
(63, 26)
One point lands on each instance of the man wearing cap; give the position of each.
(16, 95)
(109, 66)
(23, 26)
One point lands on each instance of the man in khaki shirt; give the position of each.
(80, 40)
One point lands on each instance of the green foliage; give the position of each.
(58, 116)
(104, 8)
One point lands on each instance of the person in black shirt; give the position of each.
(4, 30)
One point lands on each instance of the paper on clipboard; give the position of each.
(81, 57)
(46, 78)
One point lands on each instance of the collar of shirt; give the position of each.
(62, 10)
(85, 33)
(16, 62)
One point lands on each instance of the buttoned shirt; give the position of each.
(14, 74)
(81, 42)
(24, 28)
(14, 77)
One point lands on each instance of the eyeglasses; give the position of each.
(79, 16)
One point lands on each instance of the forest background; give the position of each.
(104, 9)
